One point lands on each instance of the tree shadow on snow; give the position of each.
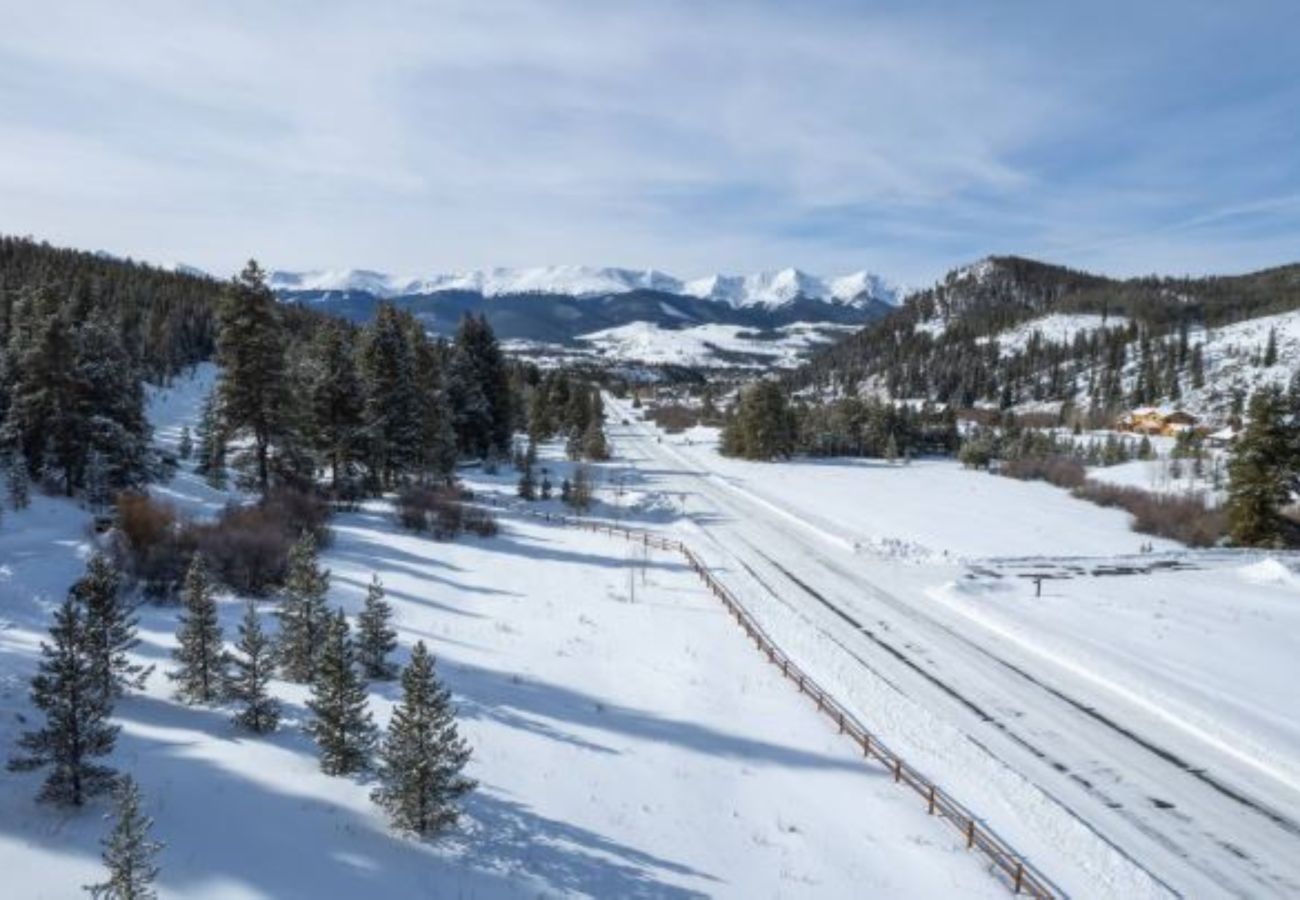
(488, 694)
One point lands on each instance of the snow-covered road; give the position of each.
(1106, 791)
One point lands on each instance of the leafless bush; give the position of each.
(1181, 517)
(1061, 471)
(442, 511)
(673, 418)
(246, 547)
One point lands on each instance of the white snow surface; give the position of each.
(775, 288)
(1133, 729)
(628, 740)
(699, 345)
(1056, 328)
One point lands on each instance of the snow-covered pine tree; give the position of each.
(594, 445)
(422, 755)
(342, 725)
(129, 851)
(113, 427)
(1262, 472)
(17, 480)
(250, 675)
(110, 628)
(95, 479)
(527, 489)
(185, 447)
(211, 451)
(66, 688)
(303, 612)
(376, 638)
(201, 676)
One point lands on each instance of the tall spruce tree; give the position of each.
(110, 628)
(201, 676)
(303, 611)
(254, 391)
(337, 402)
(211, 451)
(479, 390)
(67, 690)
(1262, 472)
(437, 458)
(342, 725)
(129, 852)
(392, 404)
(250, 676)
(376, 638)
(422, 755)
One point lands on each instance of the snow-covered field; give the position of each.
(628, 741)
(713, 345)
(1133, 729)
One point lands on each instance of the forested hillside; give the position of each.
(79, 335)
(1009, 331)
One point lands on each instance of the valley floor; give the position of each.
(628, 741)
(1133, 729)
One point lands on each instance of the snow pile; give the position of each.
(1271, 572)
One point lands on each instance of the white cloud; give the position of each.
(687, 136)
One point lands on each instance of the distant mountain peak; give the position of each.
(767, 289)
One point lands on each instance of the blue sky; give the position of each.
(905, 138)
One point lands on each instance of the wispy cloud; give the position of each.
(689, 136)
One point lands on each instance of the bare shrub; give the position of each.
(151, 543)
(673, 418)
(442, 511)
(1061, 471)
(1186, 518)
(246, 547)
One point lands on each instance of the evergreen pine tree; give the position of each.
(251, 668)
(337, 402)
(129, 852)
(1261, 473)
(185, 447)
(566, 492)
(110, 628)
(594, 446)
(547, 487)
(1270, 350)
(211, 451)
(201, 676)
(342, 725)
(392, 405)
(527, 489)
(376, 638)
(422, 754)
(303, 612)
(17, 481)
(254, 391)
(67, 689)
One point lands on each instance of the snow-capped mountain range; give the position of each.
(762, 289)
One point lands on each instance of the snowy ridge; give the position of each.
(774, 288)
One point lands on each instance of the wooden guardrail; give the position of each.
(1009, 866)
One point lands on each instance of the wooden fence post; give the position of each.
(1020, 876)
